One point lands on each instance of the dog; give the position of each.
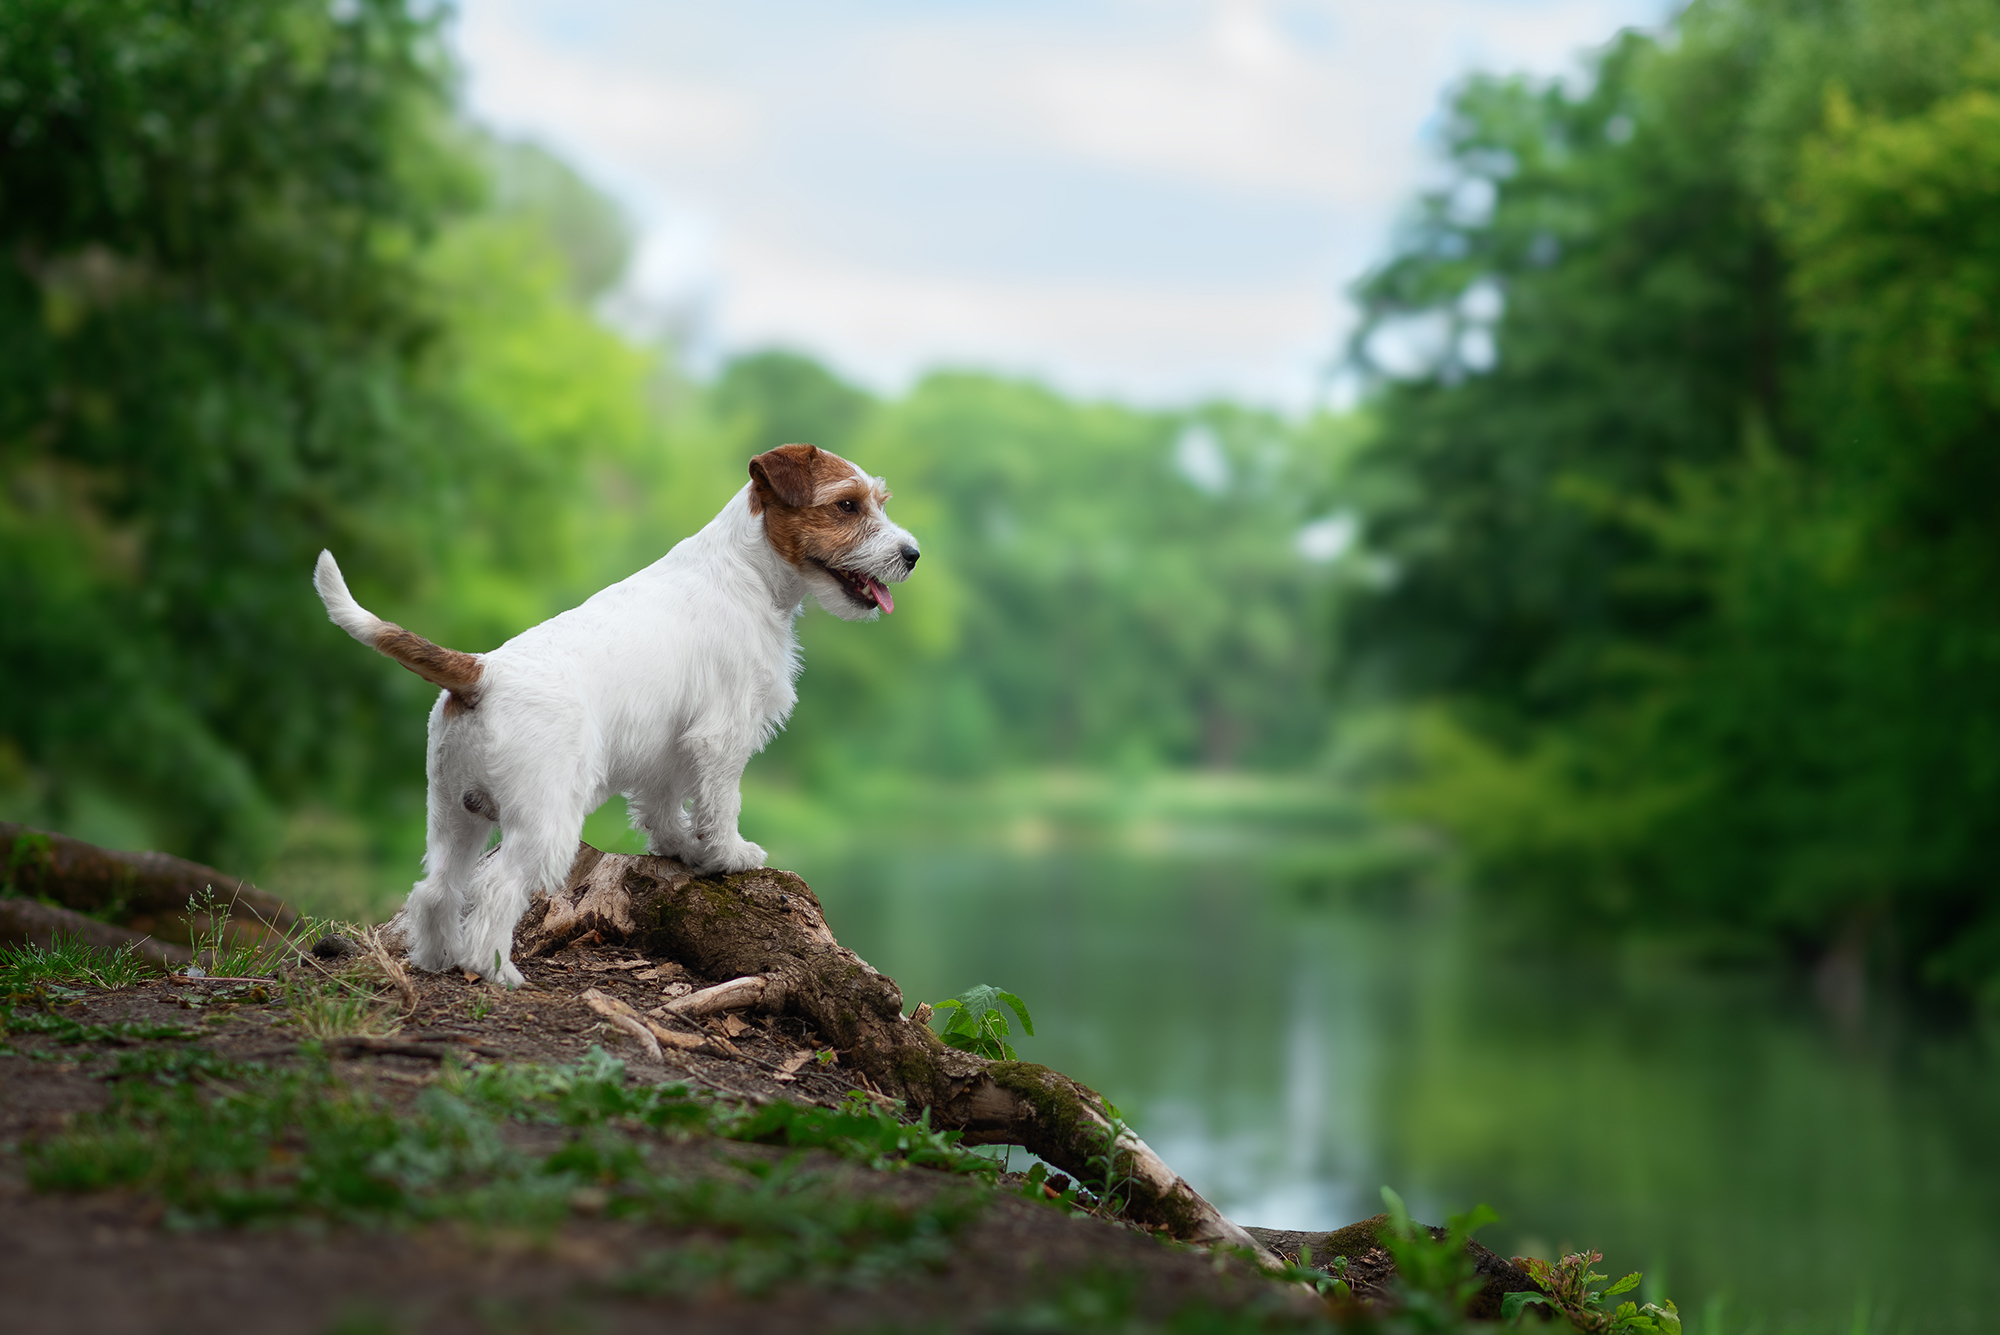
(660, 687)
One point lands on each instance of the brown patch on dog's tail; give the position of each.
(455, 671)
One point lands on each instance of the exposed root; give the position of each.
(621, 1016)
(736, 995)
(766, 932)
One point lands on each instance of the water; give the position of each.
(1775, 1171)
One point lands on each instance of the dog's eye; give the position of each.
(849, 507)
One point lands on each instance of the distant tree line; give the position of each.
(1684, 499)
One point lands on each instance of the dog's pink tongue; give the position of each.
(881, 596)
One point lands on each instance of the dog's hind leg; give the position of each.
(534, 854)
(453, 840)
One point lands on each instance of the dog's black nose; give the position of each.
(911, 554)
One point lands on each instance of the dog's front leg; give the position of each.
(663, 818)
(717, 801)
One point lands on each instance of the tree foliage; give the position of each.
(1699, 565)
(211, 324)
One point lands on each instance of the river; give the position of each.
(1772, 1169)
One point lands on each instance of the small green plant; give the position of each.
(1328, 1283)
(1111, 1186)
(1037, 1185)
(68, 959)
(859, 1129)
(1434, 1274)
(973, 1022)
(481, 1006)
(223, 950)
(1566, 1286)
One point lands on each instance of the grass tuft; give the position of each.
(335, 1007)
(69, 960)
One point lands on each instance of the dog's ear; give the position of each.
(784, 476)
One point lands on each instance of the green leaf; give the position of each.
(1624, 1285)
(1511, 1305)
(981, 999)
(1399, 1214)
(1020, 1008)
(1478, 1217)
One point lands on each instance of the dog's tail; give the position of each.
(457, 672)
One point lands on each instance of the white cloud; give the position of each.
(643, 119)
(1155, 341)
(1159, 198)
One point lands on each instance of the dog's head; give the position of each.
(825, 516)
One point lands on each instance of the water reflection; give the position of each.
(1289, 1060)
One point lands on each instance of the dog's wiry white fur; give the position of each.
(660, 687)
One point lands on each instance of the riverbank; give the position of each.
(465, 1160)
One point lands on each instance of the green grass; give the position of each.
(68, 960)
(223, 950)
(226, 1143)
(785, 1224)
(1107, 1302)
(343, 1002)
(37, 982)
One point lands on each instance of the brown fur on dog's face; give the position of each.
(825, 516)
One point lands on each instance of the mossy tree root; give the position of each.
(147, 893)
(770, 923)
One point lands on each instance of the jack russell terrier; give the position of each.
(660, 687)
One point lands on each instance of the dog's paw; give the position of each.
(497, 969)
(506, 975)
(430, 956)
(737, 855)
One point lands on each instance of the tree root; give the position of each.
(28, 922)
(147, 892)
(766, 931)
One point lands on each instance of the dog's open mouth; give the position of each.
(863, 589)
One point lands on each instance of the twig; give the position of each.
(735, 995)
(371, 941)
(622, 1016)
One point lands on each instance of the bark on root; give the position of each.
(769, 924)
(147, 892)
(28, 922)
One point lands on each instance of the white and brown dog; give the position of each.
(660, 687)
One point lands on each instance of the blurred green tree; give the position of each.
(1082, 601)
(1686, 516)
(211, 324)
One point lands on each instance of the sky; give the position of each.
(1153, 200)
